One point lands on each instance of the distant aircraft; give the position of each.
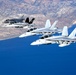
(48, 29)
(14, 20)
(44, 39)
(18, 22)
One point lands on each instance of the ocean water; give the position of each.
(18, 57)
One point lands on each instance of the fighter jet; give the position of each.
(14, 20)
(48, 29)
(44, 39)
(18, 23)
(64, 41)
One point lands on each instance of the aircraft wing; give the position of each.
(61, 39)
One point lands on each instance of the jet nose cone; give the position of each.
(33, 43)
(36, 43)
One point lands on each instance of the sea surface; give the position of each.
(18, 57)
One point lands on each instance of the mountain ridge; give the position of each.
(52, 9)
(62, 10)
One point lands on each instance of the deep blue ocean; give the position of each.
(18, 57)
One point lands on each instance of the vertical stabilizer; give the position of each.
(65, 31)
(48, 24)
(72, 35)
(31, 20)
(54, 24)
(27, 20)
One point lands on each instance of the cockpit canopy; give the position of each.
(46, 36)
(31, 29)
